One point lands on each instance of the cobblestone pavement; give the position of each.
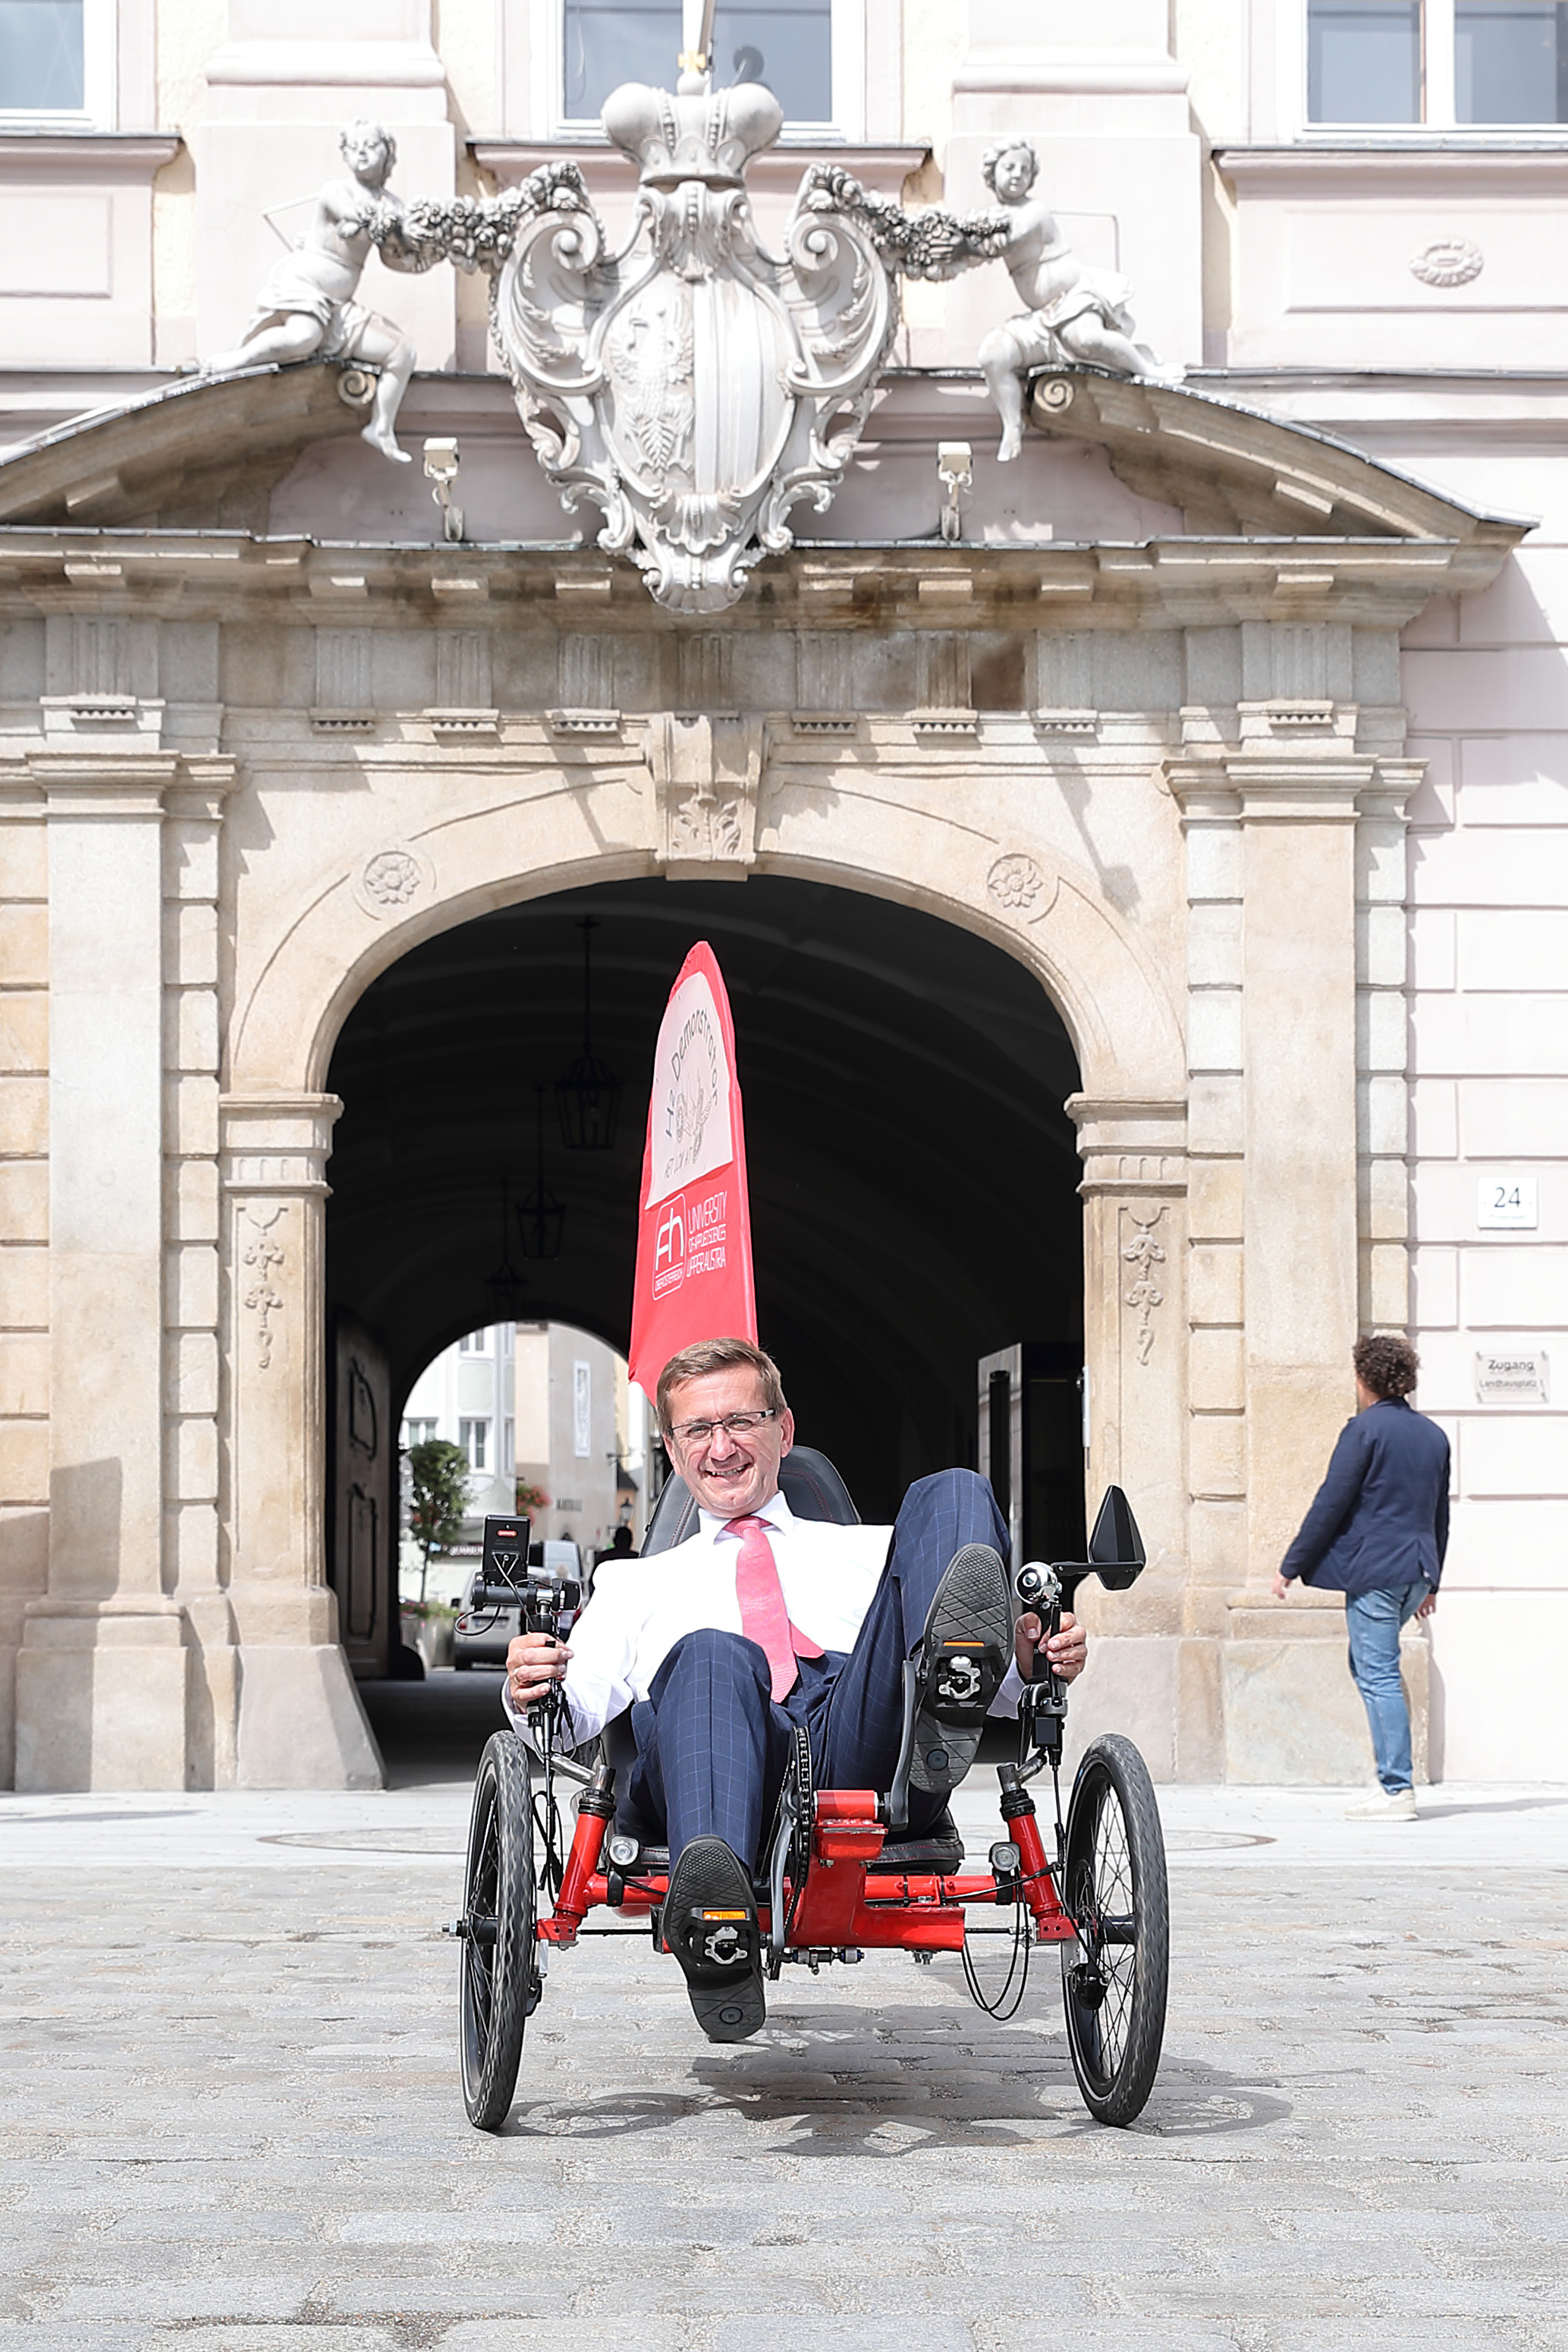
(232, 2118)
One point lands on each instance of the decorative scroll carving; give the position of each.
(264, 1254)
(1143, 1254)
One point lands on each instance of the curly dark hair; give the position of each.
(1388, 1364)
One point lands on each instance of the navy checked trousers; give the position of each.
(713, 1744)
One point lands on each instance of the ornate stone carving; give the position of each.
(391, 880)
(1451, 261)
(1018, 886)
(1143, 1254)
(264, 1254)
(307, 308)
(706, 774)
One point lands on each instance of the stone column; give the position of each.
(102, 1672)
(191, 1017)
(301, 1724)
(1146, 1682)
(24, 1225)
(1291, 1712)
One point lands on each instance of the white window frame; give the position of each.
(475, 1343)
(1438, 94)
(547, 49)
(420, 1429)
(472, 1444)
(100, 68)
(581, 1409)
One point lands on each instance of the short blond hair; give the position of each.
(706, 1355)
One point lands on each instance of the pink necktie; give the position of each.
(763, 1616)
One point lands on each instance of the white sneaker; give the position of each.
(1399, 1807)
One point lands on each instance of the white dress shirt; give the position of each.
(642, 1608)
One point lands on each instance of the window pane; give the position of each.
(1364, 61)
(41, 55)
(789, 48)
(1509, 61)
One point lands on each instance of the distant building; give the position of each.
(533, 1404)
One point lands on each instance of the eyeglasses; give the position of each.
(734, 1425)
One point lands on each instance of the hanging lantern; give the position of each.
(588, 1095)
(539, 1214)
(505, 1284)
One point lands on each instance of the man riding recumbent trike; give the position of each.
(767, 1714)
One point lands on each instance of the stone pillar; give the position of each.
(191, 835)
(1147, 1681)
(1295, 955)
(102, 1672)
(301, 1724)
(23, 1227)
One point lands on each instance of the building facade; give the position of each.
(1235, 715)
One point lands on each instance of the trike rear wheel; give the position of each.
(500, 1980)
(1113, 1976)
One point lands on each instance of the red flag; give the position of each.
(694, 1221)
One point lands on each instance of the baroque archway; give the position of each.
(1166, 773)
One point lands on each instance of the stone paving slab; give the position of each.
(231, 2120)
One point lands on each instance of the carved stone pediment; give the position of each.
(1235, 470)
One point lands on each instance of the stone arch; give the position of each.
(1044, 910)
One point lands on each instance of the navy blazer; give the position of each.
(1380, 1519)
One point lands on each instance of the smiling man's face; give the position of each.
(730, 1474)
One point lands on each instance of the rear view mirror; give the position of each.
(1116, 1549)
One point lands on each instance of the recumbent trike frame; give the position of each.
(841, 1879)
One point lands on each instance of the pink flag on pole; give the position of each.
(694, 1220)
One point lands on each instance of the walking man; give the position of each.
(1377, 1531)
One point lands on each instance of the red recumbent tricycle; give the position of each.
(841, 1875)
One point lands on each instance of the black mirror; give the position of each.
(1116, 1549)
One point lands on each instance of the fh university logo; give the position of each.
(689, 1239)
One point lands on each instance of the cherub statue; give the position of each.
(307, 310)
(1072, 311)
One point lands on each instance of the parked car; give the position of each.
(481, 1638)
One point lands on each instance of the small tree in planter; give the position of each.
(438, 1474)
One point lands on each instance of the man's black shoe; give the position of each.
(710, 1924)
(963, 1655)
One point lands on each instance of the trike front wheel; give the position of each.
(1114, 1973)
(500, 1980)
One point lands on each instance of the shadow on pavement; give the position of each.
(434, 1731)
(902, 2079)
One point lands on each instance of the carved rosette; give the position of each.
(391, 880)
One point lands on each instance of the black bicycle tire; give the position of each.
(499, 1979)
(1115, 2087)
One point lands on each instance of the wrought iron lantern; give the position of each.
(505, 1284)
(539, 1214)
(588, 1095)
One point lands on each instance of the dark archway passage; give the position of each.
(912, 1172)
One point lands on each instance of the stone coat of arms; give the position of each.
(693, 385)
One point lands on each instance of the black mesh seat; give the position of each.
(814, 1490)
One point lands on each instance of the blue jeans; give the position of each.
(1373, 1621)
